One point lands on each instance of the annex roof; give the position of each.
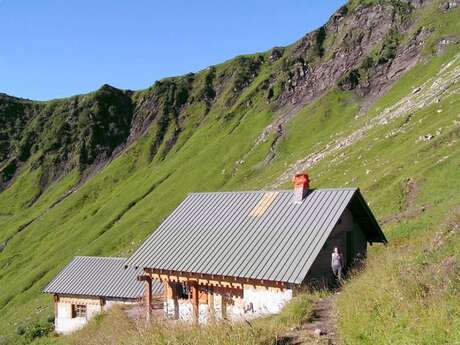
(259, 235)
(101, 277)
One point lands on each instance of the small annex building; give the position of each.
(89, 285)
(239, 255)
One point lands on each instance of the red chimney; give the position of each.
(301, 185)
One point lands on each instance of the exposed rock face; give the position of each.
(353, 36)
(363, 55)
(351, 63)
(162, 106)
(444, 43)
(449, 5)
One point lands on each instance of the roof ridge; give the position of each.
(272, 190)
(100, 257)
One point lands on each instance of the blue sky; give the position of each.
(58, 48)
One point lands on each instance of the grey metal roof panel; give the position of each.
(101, 277)
(258, 235)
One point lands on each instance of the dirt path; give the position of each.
(408, 207)
(410, 194)
(320, 328)
(322, 322)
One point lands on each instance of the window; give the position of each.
(182, 291)
(78, 310)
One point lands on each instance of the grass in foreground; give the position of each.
(409, 293)
(114, 328)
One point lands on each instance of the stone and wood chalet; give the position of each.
(239, 255)
(225, 255)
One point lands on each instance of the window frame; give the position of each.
(79, 310)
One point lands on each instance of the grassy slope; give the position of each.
(116, 209)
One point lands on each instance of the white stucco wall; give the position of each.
(203, 313)
(185, 309)
(64, 323)
(264, 301)
(109, 303)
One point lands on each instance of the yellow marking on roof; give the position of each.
(263, 204)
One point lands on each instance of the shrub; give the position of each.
(35, 329)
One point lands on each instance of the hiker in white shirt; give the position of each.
(337, 264)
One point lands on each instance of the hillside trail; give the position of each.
(319, 328)
(409, 208)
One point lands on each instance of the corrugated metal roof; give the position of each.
(99, 276)
(257, 235)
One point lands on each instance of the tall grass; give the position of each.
(409, 293)
(114, 328)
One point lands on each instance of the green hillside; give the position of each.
(371, 99)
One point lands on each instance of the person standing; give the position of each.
(337, 264)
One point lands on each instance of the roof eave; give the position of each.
(380, 236)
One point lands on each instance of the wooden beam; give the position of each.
(195, 305)
(224, 307)
(212, 309)
(56, 301)
(211, 279)
(148, 296)
(102, 303)
(173, 290)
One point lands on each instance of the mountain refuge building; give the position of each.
(224, 255)
(240, 255)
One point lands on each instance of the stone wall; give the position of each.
(264, 301)
(256, 301)
(65, 323)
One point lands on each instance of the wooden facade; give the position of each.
(210, 297)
